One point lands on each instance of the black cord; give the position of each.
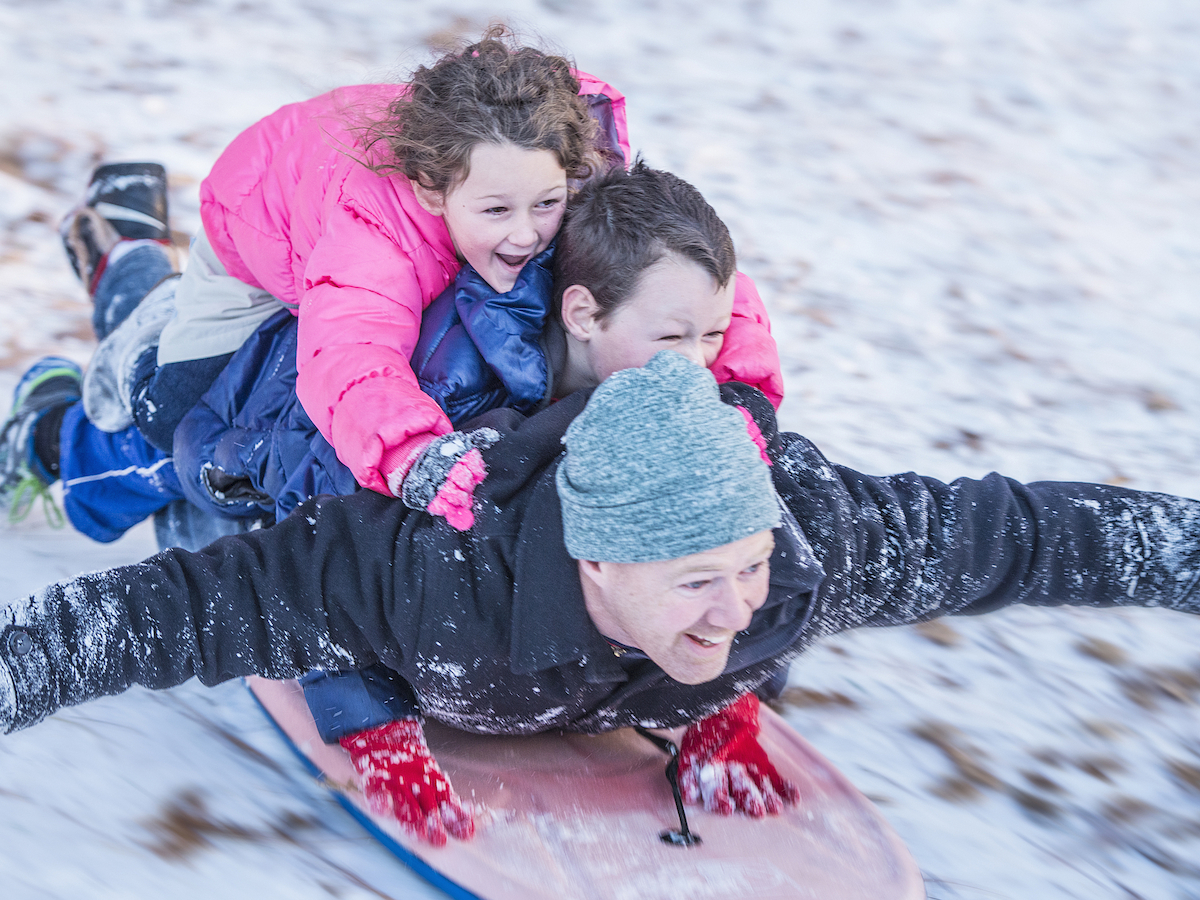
(684, 837)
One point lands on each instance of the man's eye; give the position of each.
(752, 570)
(697, 585)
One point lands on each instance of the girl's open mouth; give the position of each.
(515, 261)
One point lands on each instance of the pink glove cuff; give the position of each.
(756, 434)
(396, 461)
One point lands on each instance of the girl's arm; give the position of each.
(749, 354)
(360, 318)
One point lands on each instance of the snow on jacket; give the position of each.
(490, 627)
(289, 208)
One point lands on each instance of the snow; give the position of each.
(976, 228)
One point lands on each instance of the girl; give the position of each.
(474, 156)
(353, 210)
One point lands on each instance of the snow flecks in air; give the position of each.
(973, 226)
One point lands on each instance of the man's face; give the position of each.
(682, 613)
(505, 212)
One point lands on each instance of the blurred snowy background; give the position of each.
(977, 228)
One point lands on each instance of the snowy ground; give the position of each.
(977, 228)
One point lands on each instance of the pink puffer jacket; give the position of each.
(289, 208)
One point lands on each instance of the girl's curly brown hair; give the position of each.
(493, 92)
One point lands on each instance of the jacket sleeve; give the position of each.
(906, 548)
(590, 84)
(360, 318)
(749, 354)
(315, 591)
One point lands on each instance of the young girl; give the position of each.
(354, 210)
(471, 166)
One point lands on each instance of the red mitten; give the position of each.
(400, 778)
(722, 765)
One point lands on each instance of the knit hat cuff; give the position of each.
(651, 530)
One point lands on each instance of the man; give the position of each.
(676, 555)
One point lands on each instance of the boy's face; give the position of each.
(682, 613)
(505, 212)
(676, 305)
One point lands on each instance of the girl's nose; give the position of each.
(524, 233)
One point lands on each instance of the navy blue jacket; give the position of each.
(248, 446)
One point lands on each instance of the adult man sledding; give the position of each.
(654, 574)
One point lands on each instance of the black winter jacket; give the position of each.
(490, 628)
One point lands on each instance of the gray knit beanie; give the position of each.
(658, 467)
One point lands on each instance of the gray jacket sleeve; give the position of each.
(308, 593)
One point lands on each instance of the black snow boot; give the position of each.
(132, 198)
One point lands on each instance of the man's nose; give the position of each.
(734, 605)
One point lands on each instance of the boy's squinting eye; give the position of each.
(715, 334)
(670, 337)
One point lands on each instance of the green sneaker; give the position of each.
(51, 381)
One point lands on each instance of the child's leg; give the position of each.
(215, 314)
(111, 481)
(136, 325)
(132, 270)
(118, 243)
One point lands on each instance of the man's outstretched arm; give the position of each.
(304, 594)
(906, 548)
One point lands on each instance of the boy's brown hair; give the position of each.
(621, 223)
